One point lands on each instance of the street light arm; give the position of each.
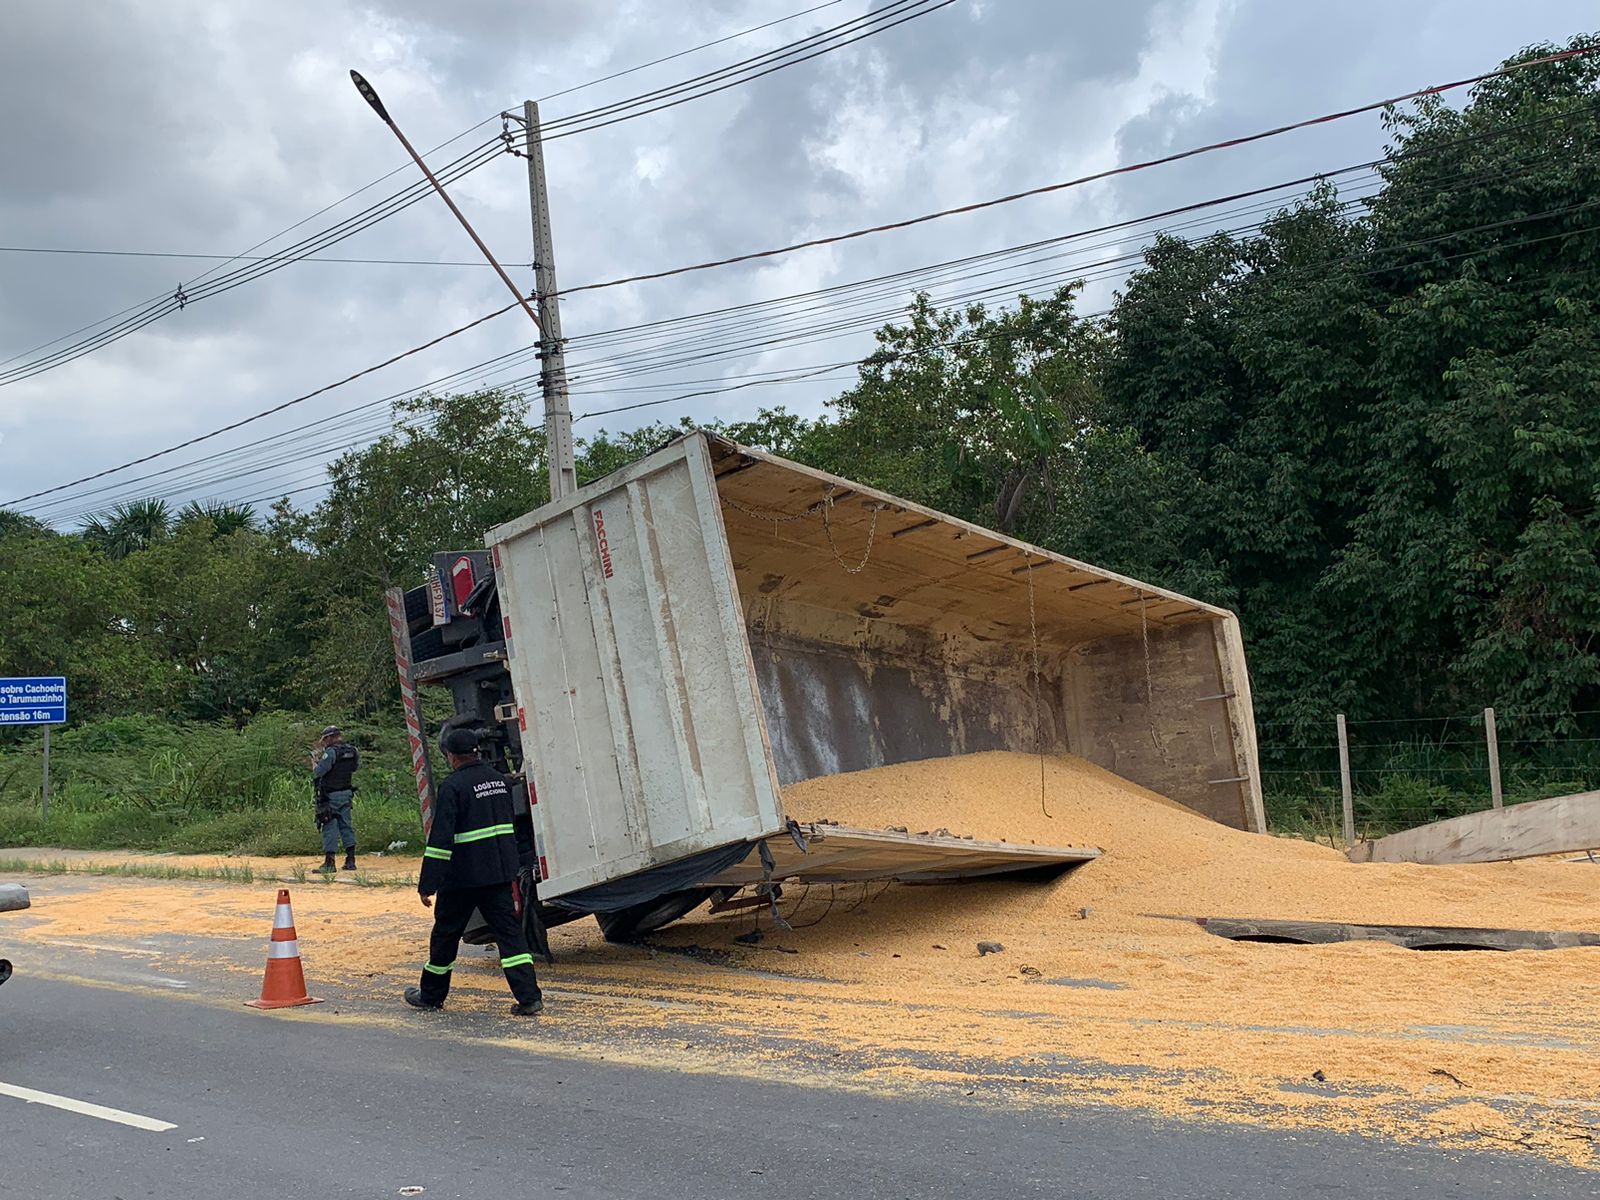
(370, 95)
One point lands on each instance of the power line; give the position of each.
(165, 306)
(656, 62)
(795, 377)
(383, 262)
(878, 356)
(249, 250)
(277, 408)
(1096, 177)
(803, 50)
(159, 307)
(702, 266)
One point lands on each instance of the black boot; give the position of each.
(327, 865)
(413, 997)
(350, 859)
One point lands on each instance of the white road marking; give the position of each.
(149, 1124)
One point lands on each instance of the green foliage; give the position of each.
(223, 518)
(149, 784)
(455, 466)
(65, 607)
(128, 528)
(971, 412)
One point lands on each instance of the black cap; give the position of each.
(331, 731)
(459, 740)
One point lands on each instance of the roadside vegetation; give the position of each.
(142, 783)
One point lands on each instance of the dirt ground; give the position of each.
(1091, 999)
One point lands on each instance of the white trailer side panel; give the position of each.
(628, 652)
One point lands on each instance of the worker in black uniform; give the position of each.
(333, 777)
(469, 863)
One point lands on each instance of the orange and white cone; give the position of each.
(285, 983)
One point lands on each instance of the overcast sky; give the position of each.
(182, 127)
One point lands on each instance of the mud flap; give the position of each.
(527, 890)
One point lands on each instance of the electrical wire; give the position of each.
(277, 408)
(1095, 177)
(382, 262)
(823, 369)
(656, 62)
(879, 357)
(167, 305)
(112, 470)
(861, 28)
(157, 308)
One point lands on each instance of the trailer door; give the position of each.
(628, 652)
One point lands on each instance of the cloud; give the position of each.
(194, 127)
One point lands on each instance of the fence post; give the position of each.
(44, 784)
(1344, 784)
(1494, 758)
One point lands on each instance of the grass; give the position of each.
(21, 865)
(129, 783)
(1405, 782)
(164, 871)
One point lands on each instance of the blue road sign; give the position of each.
(39, 700)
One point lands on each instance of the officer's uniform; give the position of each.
(335, 780)
(469, 863)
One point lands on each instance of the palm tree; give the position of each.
(13, 522)
(128, 528)
(225, 518)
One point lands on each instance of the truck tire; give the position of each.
(630, 924)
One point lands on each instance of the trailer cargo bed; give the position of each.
(696, 631)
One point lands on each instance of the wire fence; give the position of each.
(1409, 771)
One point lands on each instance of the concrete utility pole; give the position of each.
(552, 356)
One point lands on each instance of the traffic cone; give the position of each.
(285, 983)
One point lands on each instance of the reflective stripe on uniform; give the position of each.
(517, 960)
(436, 852)
(433, 970)
(488, 831)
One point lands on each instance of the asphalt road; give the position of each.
(319, 1103)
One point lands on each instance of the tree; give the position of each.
(968, 411)
(1477, 551)
(66, 611)
(13, 523)
(224, 518)
(1240, 366)
(128, 527)
(454, 466)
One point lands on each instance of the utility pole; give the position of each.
(552, 356)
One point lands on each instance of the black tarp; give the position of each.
(657, 881)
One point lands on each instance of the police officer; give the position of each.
(469, 863)
(334, 778)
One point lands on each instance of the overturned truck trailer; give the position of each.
(690, 634)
